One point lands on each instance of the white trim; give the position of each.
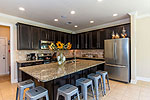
(133, 81)
(143, 16)
(13, 80)
(26, 21)
(119, 22)
(143, 79)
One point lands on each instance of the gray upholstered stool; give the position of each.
(97, 79)
(67, 91)
(84, 83)
(36, 93)
(22, 86)
(104, 76)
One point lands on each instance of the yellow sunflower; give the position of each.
(69, 46)
(52, 46)
(59, 45)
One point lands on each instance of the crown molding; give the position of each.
(26, 21)
(119, 22)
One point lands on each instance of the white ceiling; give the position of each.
(45, 11)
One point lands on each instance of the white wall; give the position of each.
(143, 48)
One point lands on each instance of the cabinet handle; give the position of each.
(32, 44)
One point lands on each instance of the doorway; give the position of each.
(4, 53)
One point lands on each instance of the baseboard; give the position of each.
(4, 74)
(14, 81)
(143, 79)
(133, 81)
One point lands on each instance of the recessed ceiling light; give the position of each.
(91, 21)
(99, 0)
(115, 15)
(55, 20)
(21, 8)
(75, 26)
(72, 12)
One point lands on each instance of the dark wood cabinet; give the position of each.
(29, 37)
(74, 41)
(24, 38)
(94, 40)
(44, 34)
(35, 32)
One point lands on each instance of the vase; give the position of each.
(61, 58)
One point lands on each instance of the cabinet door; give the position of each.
(98, 39)
(86, 40)
(24, 40)
(57, 36)
(78, 41)
(65, 38)
(35, 37)
(82, 43)
(43, 34)
(94, 39)
(109, 32)
(74, 42)
(51, 36)
(90, 40)
(69, 38)
(102, 38)
(62, 37)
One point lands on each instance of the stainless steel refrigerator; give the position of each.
(117, 59)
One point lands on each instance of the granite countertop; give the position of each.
(30, 61)
(48, 72)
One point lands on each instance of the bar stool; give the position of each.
(36, 93)
(104, 75)
(97, 79)
(22, 86)
(84, 83)
(67, 91)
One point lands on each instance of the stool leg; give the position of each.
(96, 88)
(104, 85)
(108, 81)
(101, 86)
(47, 98)
(17, 93)
(78, 95)
(57, 96)
(84, 91)
(68, 98)
(92, 91)
(21, 94)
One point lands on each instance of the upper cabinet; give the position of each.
(35, 37)
(29, 37)
(23, 37)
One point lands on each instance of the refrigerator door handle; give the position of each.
(115, 50)
(120, 66)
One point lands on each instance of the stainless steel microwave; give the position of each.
(44, 45)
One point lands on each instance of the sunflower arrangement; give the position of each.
(60, 46)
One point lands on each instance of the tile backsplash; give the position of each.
(96, 53)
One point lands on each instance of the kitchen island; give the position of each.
(52, 76)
